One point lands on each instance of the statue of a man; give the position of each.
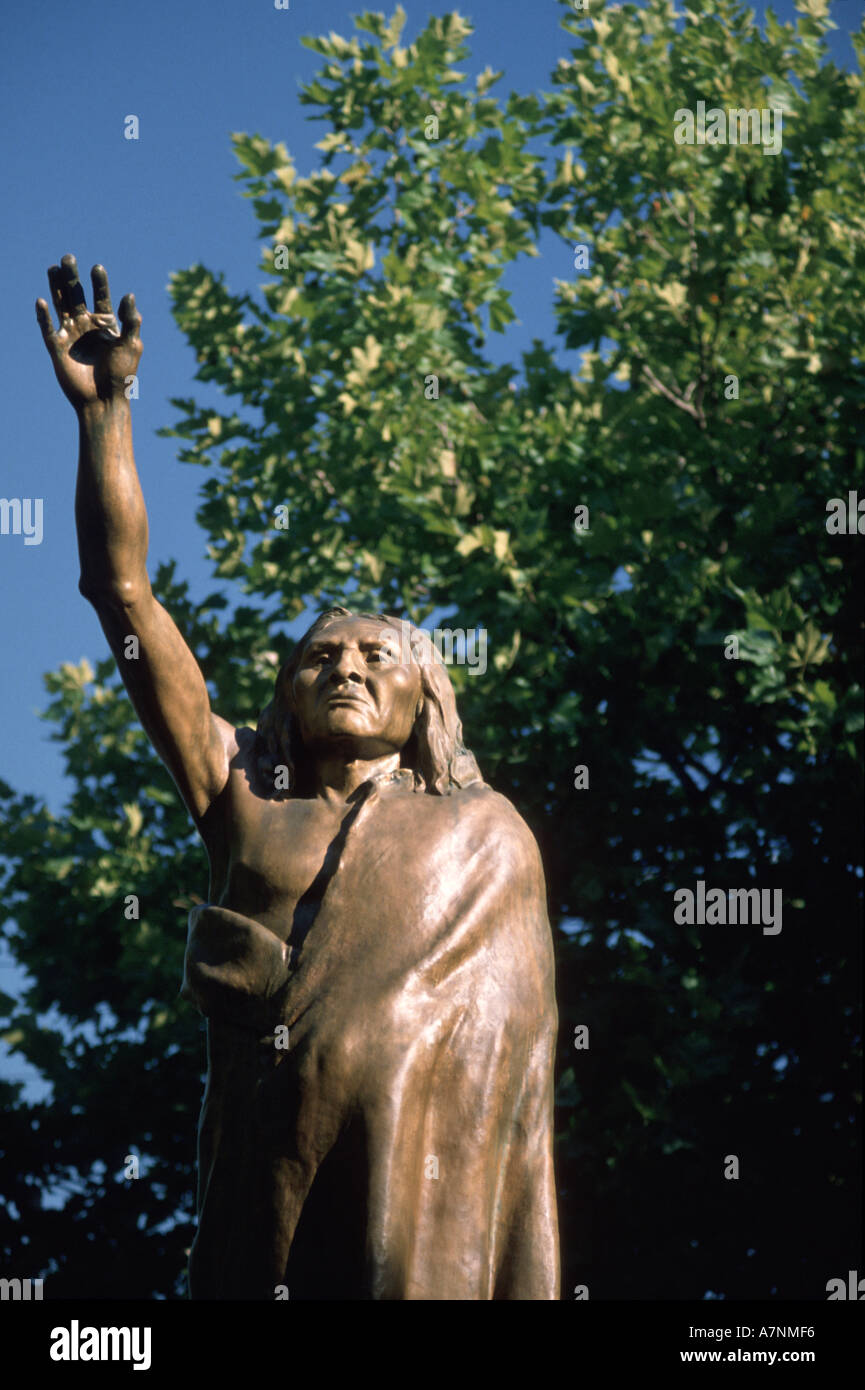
(375, 961)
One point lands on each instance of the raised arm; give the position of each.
(93, 360)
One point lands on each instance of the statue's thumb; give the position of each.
(43, 316)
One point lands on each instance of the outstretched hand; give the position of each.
(92, 356)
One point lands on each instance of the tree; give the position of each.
(420, 478)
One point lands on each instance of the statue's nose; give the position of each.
(346, 668)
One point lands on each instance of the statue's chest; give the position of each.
(371, 881)
(278, 853)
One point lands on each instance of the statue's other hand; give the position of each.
(93, 357)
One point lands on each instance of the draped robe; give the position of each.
(396, 1142)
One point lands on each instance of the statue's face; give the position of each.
(351, 683)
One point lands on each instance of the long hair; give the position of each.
(434, 752)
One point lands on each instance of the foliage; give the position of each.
(606, 647)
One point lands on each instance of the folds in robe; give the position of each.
(400, 1145)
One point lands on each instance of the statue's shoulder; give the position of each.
(492, 804)
(246, 753)
(498, 818)
(499, 847)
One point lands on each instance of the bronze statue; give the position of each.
(375, 961)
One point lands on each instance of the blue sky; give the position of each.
(192, 72)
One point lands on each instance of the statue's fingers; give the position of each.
(73, 290)
(55, 282)
(43, 315)
(129, 316)
(101, 292)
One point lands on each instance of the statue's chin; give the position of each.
(342, 720)
(350, 743)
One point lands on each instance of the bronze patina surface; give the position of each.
(375, 961)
